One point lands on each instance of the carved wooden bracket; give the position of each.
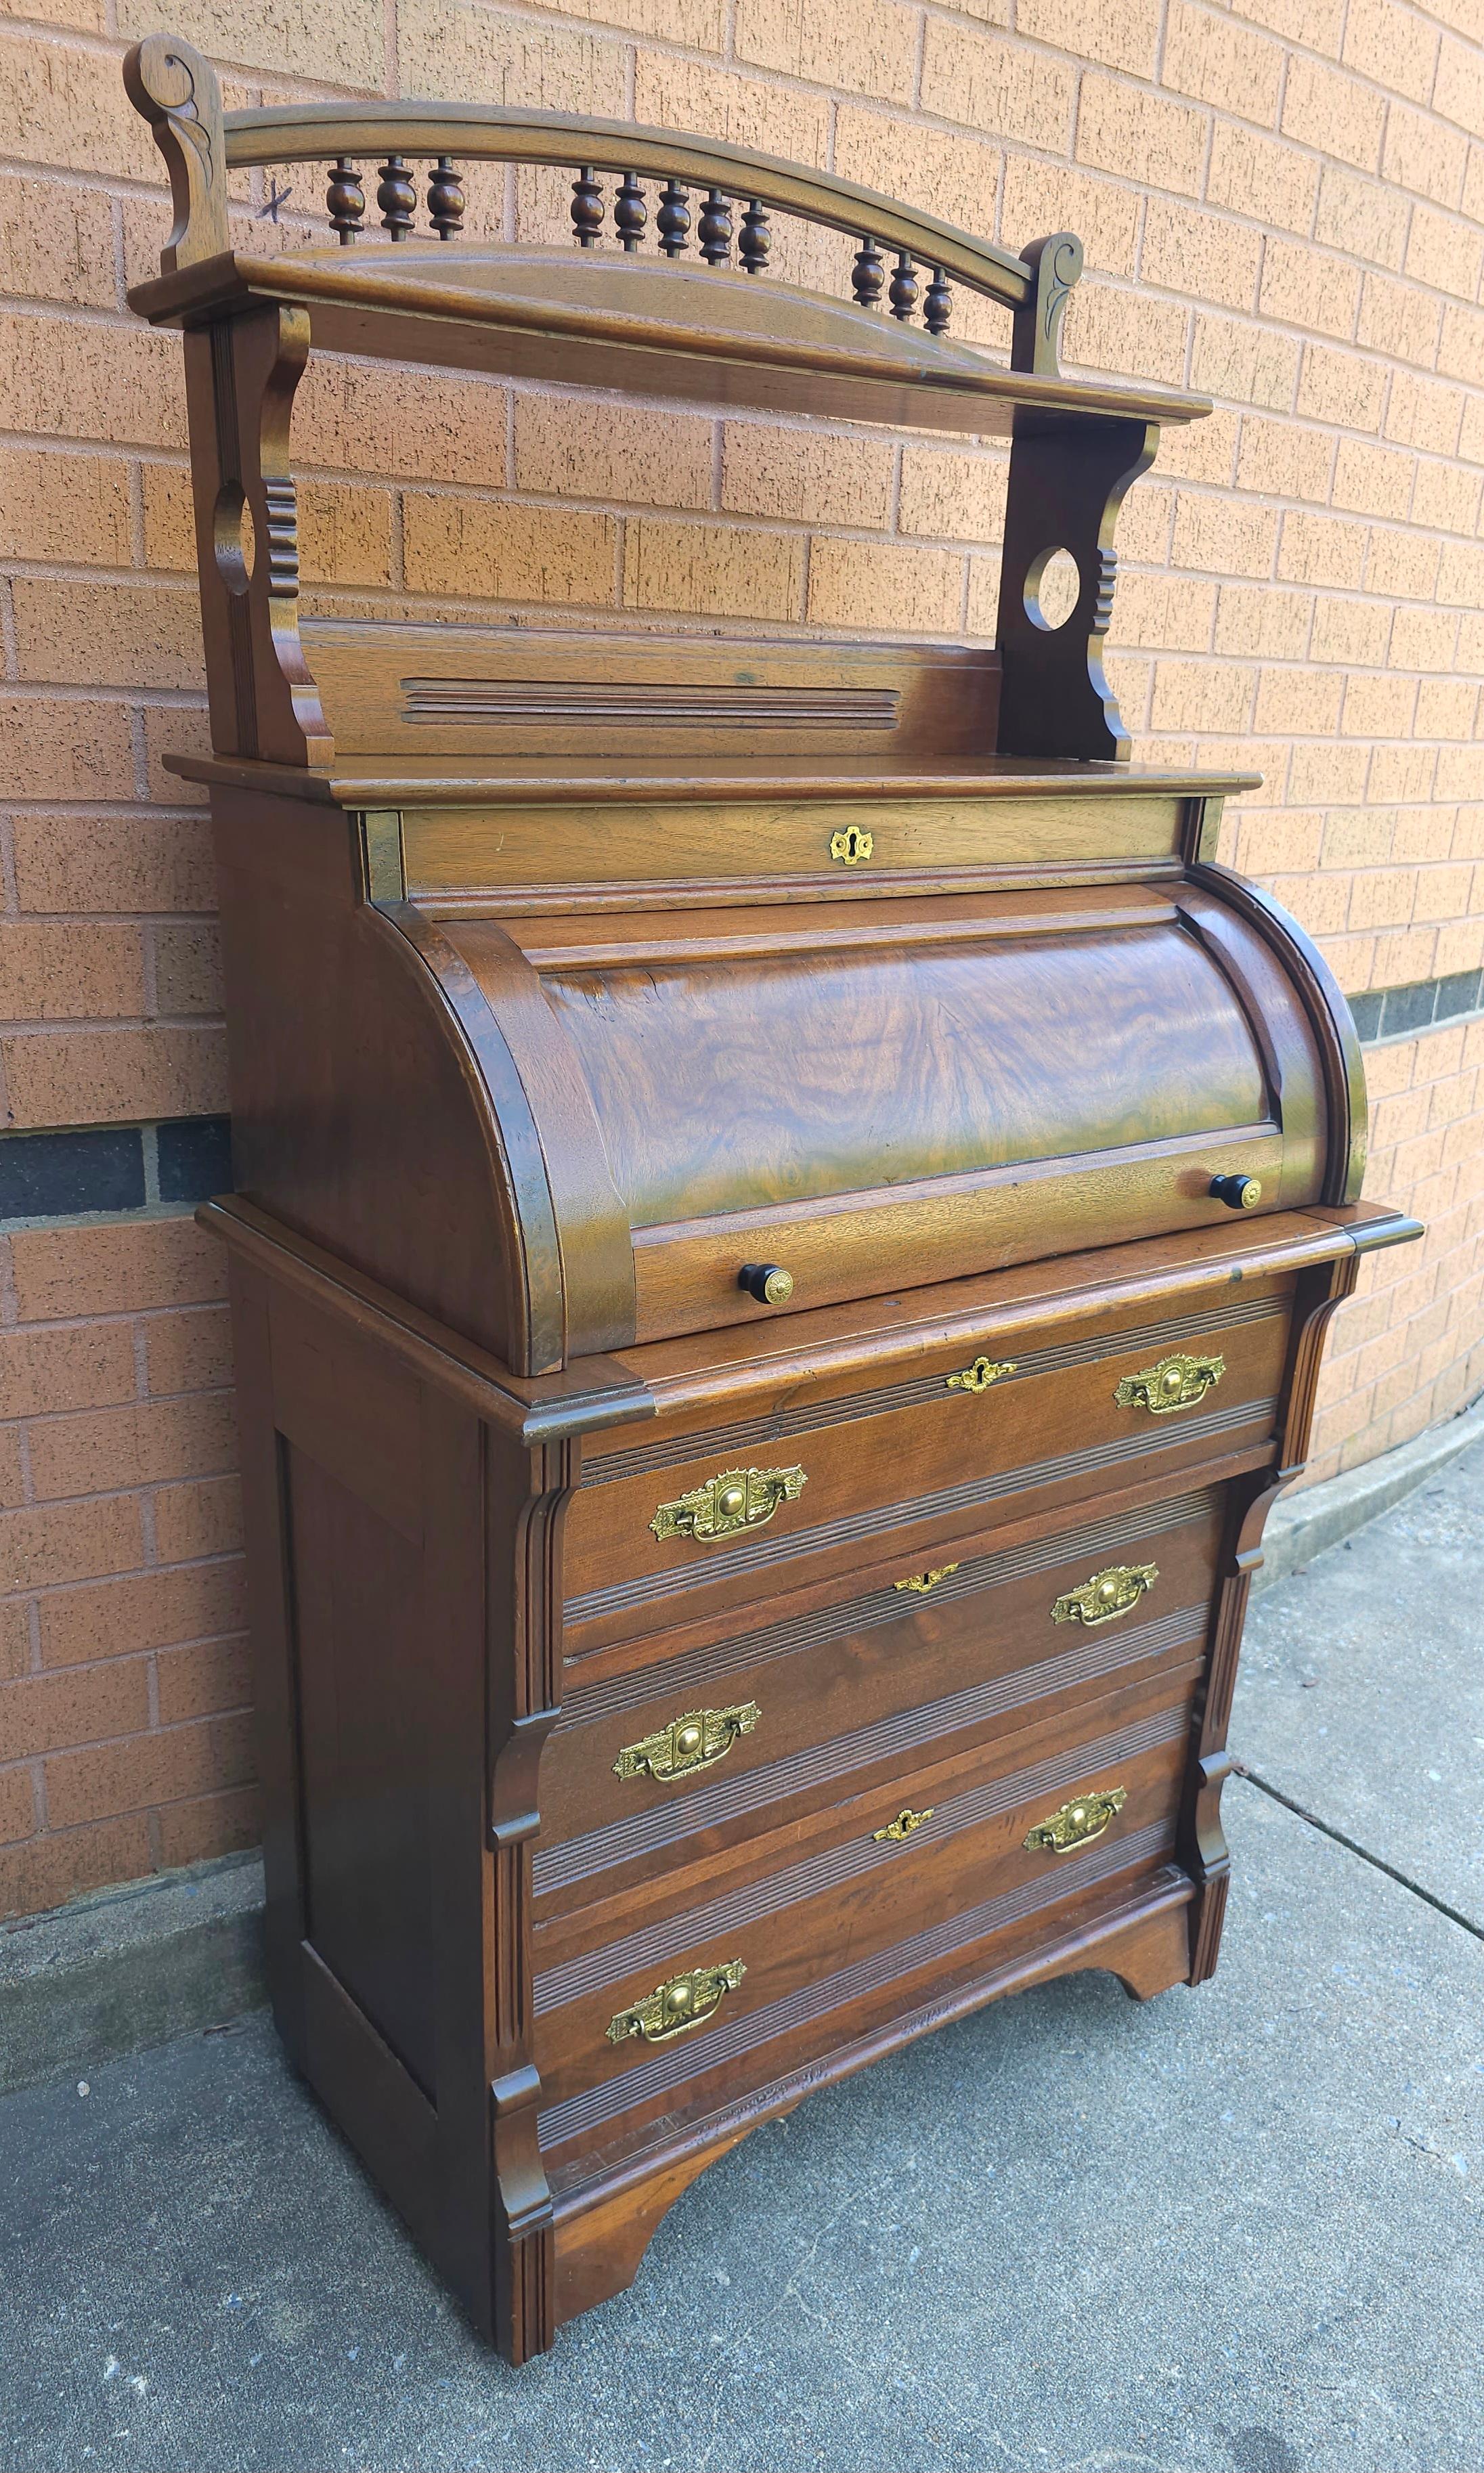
(178, 93)
(240, 379)
(1068, 480)
(1036, 336)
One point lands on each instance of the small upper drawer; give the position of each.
(680, 1529)
(843, 846)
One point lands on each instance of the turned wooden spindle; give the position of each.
(714, 229)
(631, 212)
(868, 274)
(902, 291)
(674, 218)
(397, 198)
(756, 239)
(938, 306)
(346, 200)
(586, 207)
(446, 199)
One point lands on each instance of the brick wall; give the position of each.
(1283, 203)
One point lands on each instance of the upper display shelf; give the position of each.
(663, 292)
(701, 319)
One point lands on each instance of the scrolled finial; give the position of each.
(1056, 265)
(176, 90)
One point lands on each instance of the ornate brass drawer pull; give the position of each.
(922, 1582)
(1077, 1824)
(902, 1825)
(1106, 1594)
(979, 1376)
(1177, 1381)
(851, 847)
(672, 2008)
(698, 1741)
(737, 1498)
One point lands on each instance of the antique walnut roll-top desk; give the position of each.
(787, 1214)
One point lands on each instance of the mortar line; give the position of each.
(1352, 1846)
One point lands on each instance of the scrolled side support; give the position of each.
(1068, 481)
(240, 375)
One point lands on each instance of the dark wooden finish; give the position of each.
(668, 1072)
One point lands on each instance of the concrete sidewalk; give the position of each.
(1237, 2230)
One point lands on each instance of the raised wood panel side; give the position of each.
(362, 1117)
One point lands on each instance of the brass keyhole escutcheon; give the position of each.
(921, 1582)
(854, 846)
(906, 1821)
(981, 1374)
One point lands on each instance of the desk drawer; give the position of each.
(706, 1974)
(830, 1485)
(790, 1713)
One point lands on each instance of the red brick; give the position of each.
(64, 1272)
(203, 1681)
(147, 1610)
(145, 1443)
(18, 1804)
(13, 1470)
(14, 1640)
(84, 1705)
(69, 1541)
(146, 1769)
(189, 1352)
(201, 1518)
(46, 1871)
(128, 863)
(213, 1824)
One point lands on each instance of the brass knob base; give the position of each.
(768, 1282)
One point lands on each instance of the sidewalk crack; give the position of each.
(1352, 1846)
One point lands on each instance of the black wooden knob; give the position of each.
(1237, 1193)
(768, 1282)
